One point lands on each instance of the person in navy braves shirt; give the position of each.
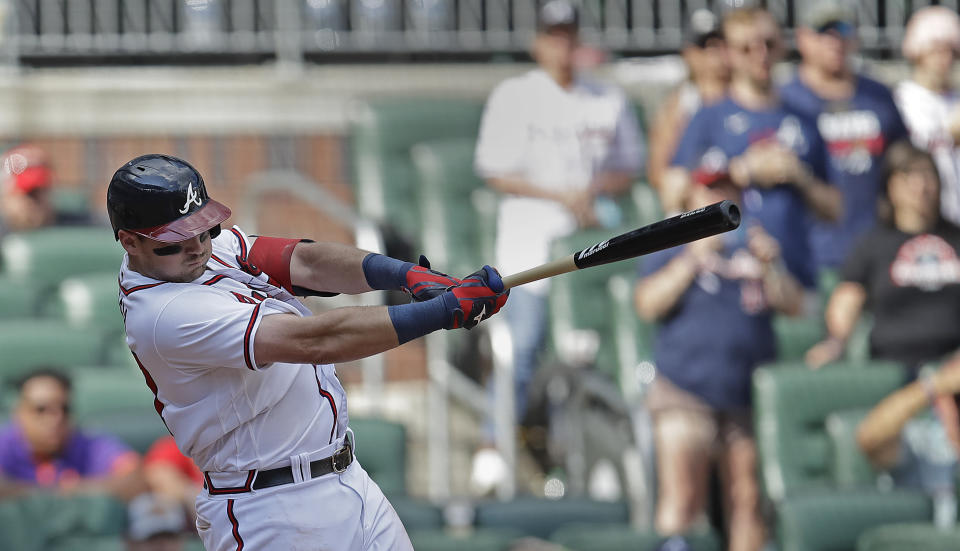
(776, 156)
(856, 116)
(724, 290)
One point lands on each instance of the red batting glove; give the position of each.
(424, 284)
(479, 296)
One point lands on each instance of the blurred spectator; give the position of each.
(26, 182)
(171, 474)
(856, 116)
(929, 102)
(556, 145)
(919, 451)
(41, 448)
(723, 290)
(777, 157)
(705, 55)
(155, 524)
(906, 271)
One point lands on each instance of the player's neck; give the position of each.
(752, 94)
(826, 84)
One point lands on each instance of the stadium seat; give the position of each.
(632, 336)
(834, 520)
(473, 540)
(88, 300)
(618, 537)
(848, 466)
(796, 335)
(381, 448)
(30, 343)
(542, 517)
(452, 230)
(117, 402)
(18, 298)
(88, 543)
(382, 133)
(57, 519)
(581, 301)
(647, 204)
(791, 406)
(912, 536)
(50, 255)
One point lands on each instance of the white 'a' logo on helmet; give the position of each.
(192, 197)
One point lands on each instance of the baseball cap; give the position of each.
(830, 15)
(25, 169)
(703, 26)
(149, 516)
(557, 13)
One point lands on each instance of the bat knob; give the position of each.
(731, 214)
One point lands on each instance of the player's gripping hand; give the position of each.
(422, 283)
(479, 296)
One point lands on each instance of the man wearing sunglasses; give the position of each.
(242, 372)
(42, 449)
(856, 116)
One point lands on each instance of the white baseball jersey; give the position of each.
(927, 115)
(235, 416)
(194, 343)
(554, 138)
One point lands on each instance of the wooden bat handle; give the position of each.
(550, 269)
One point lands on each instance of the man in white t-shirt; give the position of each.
(928, 102)
(556, 145)
(241, 371)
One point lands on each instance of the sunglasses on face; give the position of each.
(176, 248)
(44, 409)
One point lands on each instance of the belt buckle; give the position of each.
(342, 459)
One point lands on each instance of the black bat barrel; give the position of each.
(677, 230)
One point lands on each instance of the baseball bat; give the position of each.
(677, 230)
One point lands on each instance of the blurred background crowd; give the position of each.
(790, 385)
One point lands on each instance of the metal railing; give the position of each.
(320, 29)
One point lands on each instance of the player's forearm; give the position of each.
(332, 267)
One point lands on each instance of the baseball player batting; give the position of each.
(242, 373)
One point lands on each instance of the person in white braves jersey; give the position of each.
(556, 145)
(242, 372)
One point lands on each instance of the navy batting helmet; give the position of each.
(162, 198)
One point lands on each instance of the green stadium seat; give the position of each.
(791, 406)
(73, 202)
(647, 204)
(88, 543)
(381, 447)
(618, 537)
(452, 229)
(381, 135)
(30, 343)
(88, 300)
(58, 518)
(119, 403)
(581, 301)
(50, 255)
(796, 335)
(18, 298)
(17, 532)
(473, 540)
(542, 517)
(912, 536)
(416, 514)
(848, 466)
(632, 336)
(835, 520)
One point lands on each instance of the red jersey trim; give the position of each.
(213, 280)
(246, 339)
(329, 397)
(127, 292)
(218, 259)
(247, 486)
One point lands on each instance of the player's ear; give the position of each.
(129, 241)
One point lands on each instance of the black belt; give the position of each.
(336, 463)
